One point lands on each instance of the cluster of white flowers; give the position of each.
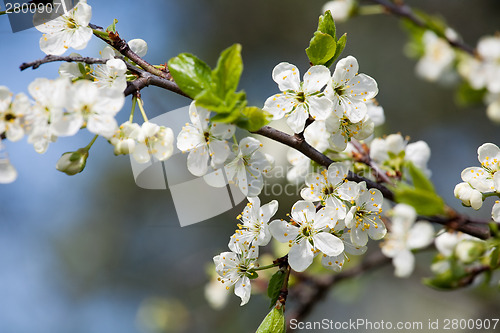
(479, 182)
(406, 235)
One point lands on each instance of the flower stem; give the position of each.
(492, 194)
(134, 103)
(87, 148)
(141, 107)
(265, 267)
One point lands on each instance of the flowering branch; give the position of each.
(402, 10)
(121, 46)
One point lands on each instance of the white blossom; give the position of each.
(47, 117)
(248, 167)
(376, 113)
(123, 141)
(405, 236)
(65, 31)
(363, 219)
(299, 100)
(12, 112)
(152, 139)
(438, 57)
(254, 228)
(469, 195)
(8, 173)
(111, 75)
(308, 235)
(342, 130)
(382, 151)
(233, 269)
(485, 178)
(331, 188)
(205, 141)
(95, 108)
(350, 91)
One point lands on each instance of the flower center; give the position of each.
(9, 117)
(300, 97)
(340, 90)
(207, 137)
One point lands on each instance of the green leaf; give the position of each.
(112, 27)
(275, 285)
(338, 51)
(191, 74)
(321, 48)
(494, 257)
(466, 95)
(419, 179)
(425, 202)
(253, 118)
(274, 322)
(326, 24)
(226, 76)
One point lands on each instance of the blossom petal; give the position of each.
(243, 290)
(303, 211)
(297, 119)
(320, 107)
(329, 244)
(316, 78)
(420, 235)
(286, 76)
(404, 263)
(301, 256)
(283, 231)
(345, 70)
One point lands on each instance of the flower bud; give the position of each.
(468, 251)
(7, 172)
(470, 196)
(72, 163)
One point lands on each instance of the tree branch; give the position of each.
(121, 46)
(52, 58)
(400, 9)
(307, 298)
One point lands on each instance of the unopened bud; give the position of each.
(468, 251)
(72, 163)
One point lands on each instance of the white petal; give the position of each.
(297, 119)
(286, 76)
(197, 161)
(243, 289)
(316, 78)
(345, 70)
(420, 235)
(303, 211)
(358, 237)
(404, 264)
(301, 256)
(268, 210)
(283, 231)
(328, 244)
(320, 107)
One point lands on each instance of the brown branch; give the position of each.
(52, 58)
(308, 298)
(297, 142)
(121, 46)
(400, 9)
(145, 78)
(461, 223)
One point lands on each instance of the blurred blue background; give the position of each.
(95, 253)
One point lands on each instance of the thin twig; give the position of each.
(402, 10)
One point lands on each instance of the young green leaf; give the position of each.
(419, 179)
(275, 285)
(274, 322)
(226, 76)
(112, 27)
(424, 202)
(191, 74)
(321, 48)
(253, 118)
(326, 24)
(338, 51)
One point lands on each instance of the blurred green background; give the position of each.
(95, 253)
